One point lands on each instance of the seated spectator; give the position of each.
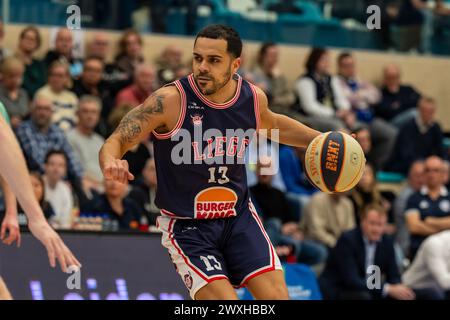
(135, 94)
(86, 143)
(144, 191)
(416, 179)
(282, 229)
(321, 98)
(430, 269)
(4, 52)
(293, 175)
(35, 70)
(130, 52)
(57, 191)
(63, 53)
(37, 182)
(348, 268)
(91, 83)
(363, 96)
(280, 96)
(418, 139)
(65, 102)
(365, 193)
(326, 217)
(362, 135)
(428, 211)
(138, 155)
(99, 47)
(170, 65)
(14, 98)
(116, 205)
(398, 101)
(38, 136)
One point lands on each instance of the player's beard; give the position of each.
(216, 84)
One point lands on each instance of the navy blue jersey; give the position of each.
(200, 163)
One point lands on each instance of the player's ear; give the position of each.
(236, 64)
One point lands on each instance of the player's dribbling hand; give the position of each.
(11, 225)
(117, 170)
(56, 248)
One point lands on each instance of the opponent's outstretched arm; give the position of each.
(10, 223)
(290, 131)
(13, 168)
(159, 111)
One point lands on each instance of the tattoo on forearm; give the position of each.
(133, 122)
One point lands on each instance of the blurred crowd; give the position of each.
(62, 108)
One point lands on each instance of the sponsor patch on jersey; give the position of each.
(215, 203)
(197, 119)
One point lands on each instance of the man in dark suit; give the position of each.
(351, 271)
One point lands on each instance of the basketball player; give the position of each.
(13, 169)
(208, 223)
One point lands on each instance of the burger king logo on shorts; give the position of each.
(214, 203)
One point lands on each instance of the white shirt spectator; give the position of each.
(60, 197)
(306, 91)
(87, 149)
(431, 267)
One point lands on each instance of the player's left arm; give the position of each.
(290, 131)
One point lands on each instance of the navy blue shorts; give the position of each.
(235, 248)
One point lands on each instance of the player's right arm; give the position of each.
(159, 112)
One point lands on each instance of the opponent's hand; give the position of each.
(11, 225)
(117, 170)
(56, 248)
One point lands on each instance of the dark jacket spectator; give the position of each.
(398, 101)
(417, 139)
(356, 252)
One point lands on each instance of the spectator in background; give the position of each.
(14, 98)
(430, 269)
(365, 193)
(4, 52)
(398, 101)
(281, 226)
(38, 184)
(347, 269)
(115, 204)
(428, 211)
(293, 175)
(138, 155)
(99, 47)
(170, 65)
(63, 53)
(419, 138)
(144, 191)
(363, 96)
(130, 52)
(86, 143)
(65, 102)
(409, 22)
(326, 217)
(279, 95)
(39, 135)
(35, 71)
(136, 93)
(57, 191)
(362, 135)
(416, 179)
(91, 83)
(321, 98)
